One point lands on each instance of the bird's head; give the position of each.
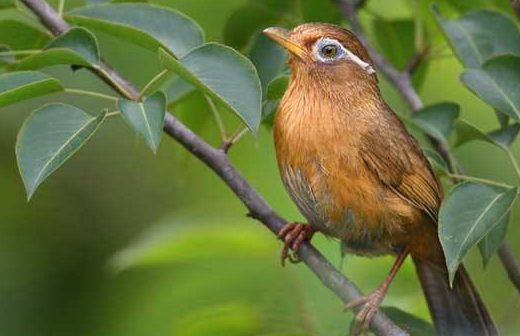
(324, 50)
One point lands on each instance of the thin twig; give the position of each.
(226, 144)
(219, 162)
(416, 60)
(403, 84)
(218, 119)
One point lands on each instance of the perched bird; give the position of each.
(356, 174)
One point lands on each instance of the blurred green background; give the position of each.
(204, 267)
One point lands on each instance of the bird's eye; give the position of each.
(330, 50)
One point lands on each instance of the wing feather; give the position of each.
(395, 157)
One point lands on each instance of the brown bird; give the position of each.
(356, 173)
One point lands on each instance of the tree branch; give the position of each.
(219, 162)
(402, 82)
(416, 60)
(516, 7)
(510, 264)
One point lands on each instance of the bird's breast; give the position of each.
(326, 177)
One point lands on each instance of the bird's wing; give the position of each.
(394, 156)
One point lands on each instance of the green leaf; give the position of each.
(409, 322)
(27, 36)
(146, 25)
(466, 132)
(81, 41)
(23, 85)
(48, 138)
(318, 11)
(157, 82)
(493, 240)
(268, 111)
(6, 60)
(503, 119)
(231, 318)
(48, 58)
(225, 75)
(480, 35)
(146, 118)
(396, 40)
(268, 58)
(497, 83)
(253, 16)
(502, 138)
(277, 87)
(176, 89)
(178, 239)
(76, 47)
(437, 162)
(7, 4)
(482, 209)
(437, 120)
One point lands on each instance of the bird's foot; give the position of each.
(371, 305)
(293, 235)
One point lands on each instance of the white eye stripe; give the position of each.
(343, 53)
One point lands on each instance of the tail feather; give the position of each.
(456, 311)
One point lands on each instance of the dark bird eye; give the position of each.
(330, 50)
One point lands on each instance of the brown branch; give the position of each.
(516, 7)
(416, 60)
(403, 84)
(508, 258)
(219, 162)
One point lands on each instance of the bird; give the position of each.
(356, 174)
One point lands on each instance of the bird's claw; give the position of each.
(293, 235)
(371, 305)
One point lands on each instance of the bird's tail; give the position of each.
(456, 311)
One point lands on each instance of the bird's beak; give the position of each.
(283, 38)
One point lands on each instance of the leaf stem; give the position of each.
(111, 77)
(112, 114)
(479, 180)
(61, 5)
(92, 94)
(239, 133)
(418, 27)
(19, 52)
(514, 163)
(218, 119)
(153, 81)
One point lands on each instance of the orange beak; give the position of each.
(282, 36)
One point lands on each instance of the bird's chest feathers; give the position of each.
(323, 171)
(312, 147)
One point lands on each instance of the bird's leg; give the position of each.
(372, 302)
(293, 235)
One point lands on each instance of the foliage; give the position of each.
(249, 82)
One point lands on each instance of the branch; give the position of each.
(516, 7)
(416, 60)
(219, 162)
(510, 264)
(402, 82)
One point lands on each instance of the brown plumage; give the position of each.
(356, 173)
